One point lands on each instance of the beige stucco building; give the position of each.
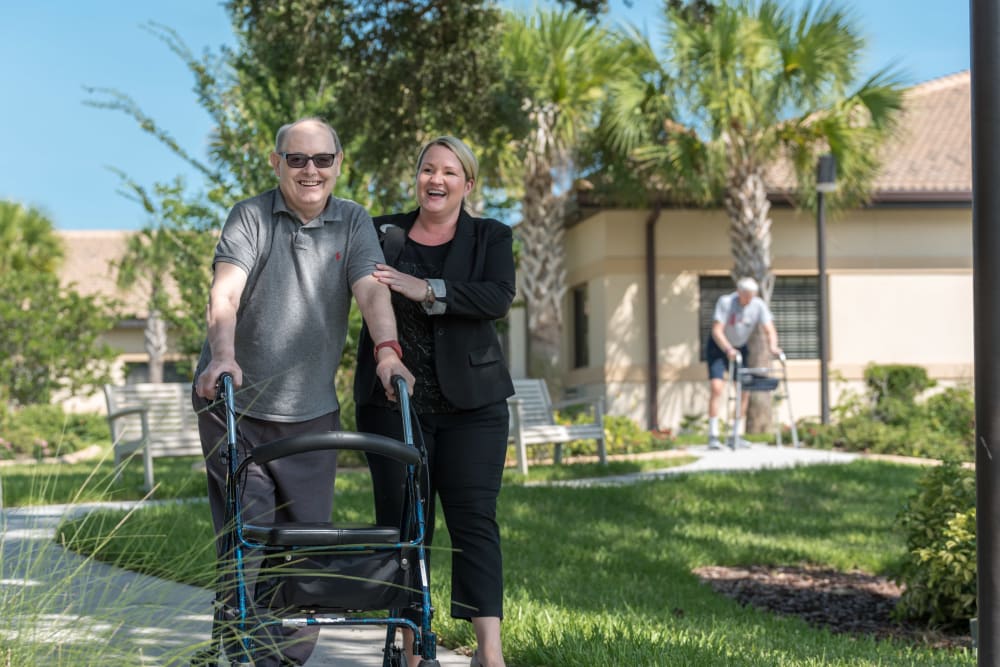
(87, 266)
(899, 280)
(899, 277)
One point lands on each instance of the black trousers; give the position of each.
(466, 453)
(297, 489)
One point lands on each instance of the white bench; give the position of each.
(156, 418)
(533, 423)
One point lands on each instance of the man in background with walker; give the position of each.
(737, 315)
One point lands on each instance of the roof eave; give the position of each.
(894, 197)
(922, 197)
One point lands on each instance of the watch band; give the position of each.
(391, 344)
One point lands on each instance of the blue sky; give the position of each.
(56, 149)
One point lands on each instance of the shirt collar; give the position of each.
(329, 214)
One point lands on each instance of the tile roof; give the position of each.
(929, 158)
(931, 154)
(87, 263)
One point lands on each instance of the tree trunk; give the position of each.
(759, 411)
(543, 274)
(750, 238)
(155, 336)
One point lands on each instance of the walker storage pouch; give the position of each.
(339, 582)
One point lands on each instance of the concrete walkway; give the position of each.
(76, 600)
(755, 457)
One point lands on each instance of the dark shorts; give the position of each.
(718, 362)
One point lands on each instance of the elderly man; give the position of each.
(285, 268)
(737, 314)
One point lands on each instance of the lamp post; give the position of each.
(826, 181)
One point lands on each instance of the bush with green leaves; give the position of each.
(50, 338)
(45, 430)
(953, 411)
(621, 435)
(939, 568)
(894, 388)
(891, 418)
(693, 424)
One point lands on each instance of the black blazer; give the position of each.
(478, 274)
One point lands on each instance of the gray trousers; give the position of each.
(294, 489)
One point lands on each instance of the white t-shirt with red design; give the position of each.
(739, 320)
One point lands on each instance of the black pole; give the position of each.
(985, 27)
(652, 347)
(824, 338)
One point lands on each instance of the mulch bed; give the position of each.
(843, 602)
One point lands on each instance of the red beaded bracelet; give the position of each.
(393, 345)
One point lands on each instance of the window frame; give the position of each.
(794, 304)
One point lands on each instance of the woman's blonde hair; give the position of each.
(464, 154)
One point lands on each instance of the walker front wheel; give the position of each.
(395, 658)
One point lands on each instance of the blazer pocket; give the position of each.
(485, 355)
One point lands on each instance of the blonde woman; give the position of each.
(451, 276)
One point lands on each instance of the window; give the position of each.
(581, 339)
(794, 303)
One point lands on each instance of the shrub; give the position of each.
(696, 424)
(953, 411)
(870, 435)
(887, 419)
(939, 568)
(894, 388)
(45, 430)
(50, 338)
(623, 436)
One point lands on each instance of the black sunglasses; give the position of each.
(299, 160)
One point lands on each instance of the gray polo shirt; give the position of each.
(292, 321)
(740, 321)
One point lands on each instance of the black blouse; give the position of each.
(416, 330)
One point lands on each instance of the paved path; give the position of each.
(755, 457)
(76, 600)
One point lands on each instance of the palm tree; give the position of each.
(147, 260)
(747, 87)
(27, 240)
(564, 63)
(164, 253)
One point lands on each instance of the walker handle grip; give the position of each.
(399, 384)
(403, 396)
(224, 385)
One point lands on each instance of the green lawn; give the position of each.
(602, 576)
(184, 477)
(57, 483)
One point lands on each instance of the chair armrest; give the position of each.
(124, 412)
